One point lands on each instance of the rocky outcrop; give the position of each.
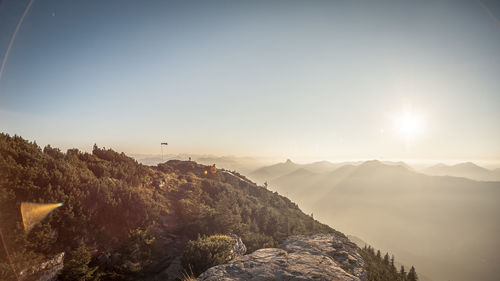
(317, 257)
(45, 271)
(344, 252)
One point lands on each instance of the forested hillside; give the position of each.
(125, 221)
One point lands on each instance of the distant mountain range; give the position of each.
(272, 172)
(446, 226)
(466, 170)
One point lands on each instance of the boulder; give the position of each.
(318, 257)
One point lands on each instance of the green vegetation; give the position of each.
(125, 221)
(205, 252)
(383, 268)
(122, 220)
(78, 266)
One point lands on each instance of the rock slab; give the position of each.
(317, 257)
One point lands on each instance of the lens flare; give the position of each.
(13, 37)
(33, 213)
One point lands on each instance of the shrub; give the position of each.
(205, 252)
(77, 268)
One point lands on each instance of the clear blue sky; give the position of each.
(302, 79)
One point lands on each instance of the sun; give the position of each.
(409, 125)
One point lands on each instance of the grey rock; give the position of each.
(339, 248)
(317, 257)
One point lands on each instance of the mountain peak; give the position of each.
(466, 170)
(467, 165)
(375, 166)
(372, 163)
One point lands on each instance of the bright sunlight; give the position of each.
(409, 125)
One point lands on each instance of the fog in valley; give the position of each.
(446, 225)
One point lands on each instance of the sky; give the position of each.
(297, 79)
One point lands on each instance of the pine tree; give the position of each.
(372, 251)
(379, 256)
(402, 273)
(386, 259)
(412, 275)
(393, 267)
(77, 268)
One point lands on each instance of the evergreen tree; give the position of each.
(402, 273)
(393, 267)
(412, 275)
(386, 259)
(77, 268)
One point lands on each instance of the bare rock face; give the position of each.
(340, 249)
(318, 257)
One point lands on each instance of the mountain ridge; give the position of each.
(466, 170)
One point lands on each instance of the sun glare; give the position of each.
(409, 125)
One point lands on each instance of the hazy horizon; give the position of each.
(270, 160)
(274, 159)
